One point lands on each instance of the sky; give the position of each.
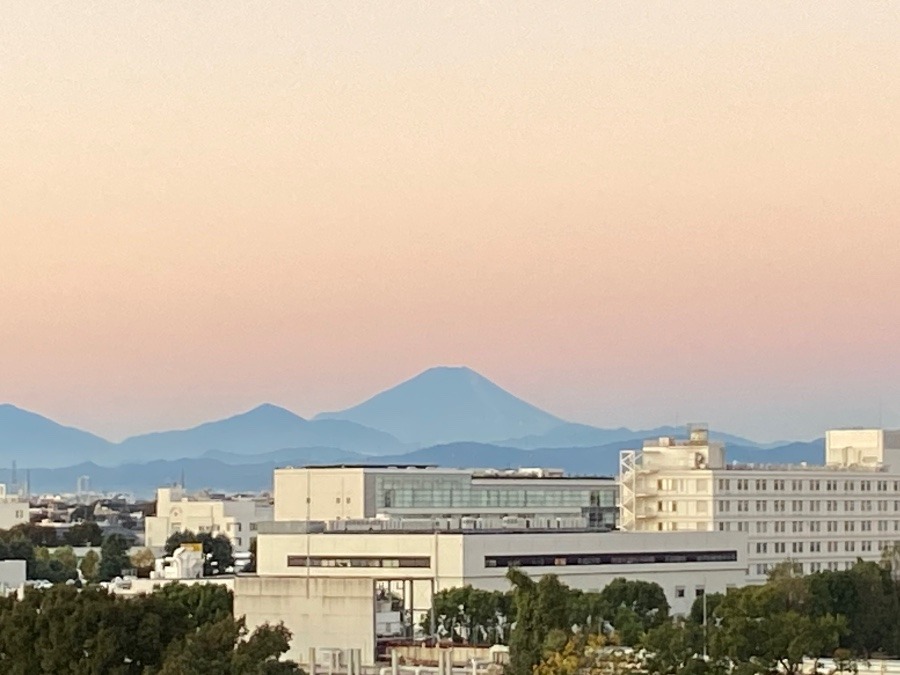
(628, 214)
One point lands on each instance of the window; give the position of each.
(743, 505)
(796, 485)
(762, 528)
(815, 526)
(850, 546)
(849, 505)
(593, 558)
(815, 546)
(814, 485)
(797, 526)
(849, 526)
(779, 484)
(679, 591)
(760, 485)
(779, 526)
(797, 505)
(779, 547)
(761, 505)
(359, 561)
(724, 484)
(797, 547)
(866, 505)
(699, 592)
(849, 486)
(762, 547)
(865, 546)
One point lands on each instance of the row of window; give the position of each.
(679, 557)
(796, 505)
(801, 526)
(762, 547)
(814, 485)
(810, 567)
(356, 561)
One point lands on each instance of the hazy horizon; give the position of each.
(625, 214)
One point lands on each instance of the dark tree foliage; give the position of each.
(113, 557)
(217, 550)
(186, 631)
(84, 534)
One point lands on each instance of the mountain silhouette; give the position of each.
(447, 404)
(264, 429)
(26, 436)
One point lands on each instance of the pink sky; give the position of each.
(626, 213)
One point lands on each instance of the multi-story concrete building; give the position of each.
(821, 517)
(344, 492)
(323, 580)
(176, 511)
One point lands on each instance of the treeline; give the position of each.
(177, 630)
(61, 564)
(552, 629)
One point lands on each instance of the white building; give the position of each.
(324, 585)
(176, 511)
(819, 517)
(439, 529)
(327, 493)
(13, 509)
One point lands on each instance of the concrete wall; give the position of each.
(337, 613)
(13, 513)
(12, 574)
(333, 493)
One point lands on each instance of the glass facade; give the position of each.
(460, 494)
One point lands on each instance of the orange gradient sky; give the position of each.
(626, 213)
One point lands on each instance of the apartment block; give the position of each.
(820, 517)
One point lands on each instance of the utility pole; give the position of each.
(704, 625)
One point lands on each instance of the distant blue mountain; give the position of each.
(448, 404)
(572, 435)
(230, 472)
(263, 429)
(26, 436)
(292, 456)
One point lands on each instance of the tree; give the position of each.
(113, 557)
(143, 562)
(218, 551)
(541, 609)
(764, 629)
(470, 615)
(84, 534)
(646, 600)
(588, 654)
(90, 566)
(677, 648)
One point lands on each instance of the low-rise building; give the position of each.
(418, 491)
(323, 580)
(177, 511)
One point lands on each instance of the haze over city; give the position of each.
(628, 215)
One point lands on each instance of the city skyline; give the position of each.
(625, 215)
